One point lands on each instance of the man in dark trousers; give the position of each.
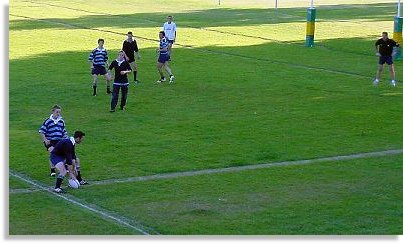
(385, 50)
(131, 50)
(64, 154)
(121, 67)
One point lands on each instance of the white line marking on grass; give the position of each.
(93, 208)
(248, 167)
(16, 191)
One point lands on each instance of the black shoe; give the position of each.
(94, 94)
(83, 182)
(122, 108)
(108, 91)
(59, 190)
(161, 80)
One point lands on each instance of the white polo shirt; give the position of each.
(170, 30)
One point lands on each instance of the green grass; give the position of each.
(247, 92)
(349, 197)
(29, 214)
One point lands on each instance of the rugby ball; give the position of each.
(74, 183)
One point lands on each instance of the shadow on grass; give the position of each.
(325, 57)
(213, 17)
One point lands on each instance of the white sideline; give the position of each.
(118, 219)
(248, 167)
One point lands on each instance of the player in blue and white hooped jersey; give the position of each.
(163, 59)
(98, 59)
(52, 131)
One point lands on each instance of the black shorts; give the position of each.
(386, 59)
(163, 58)
(51, 144)
(98, 70)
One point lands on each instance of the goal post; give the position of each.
(310, 25)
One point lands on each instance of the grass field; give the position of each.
(247, 93)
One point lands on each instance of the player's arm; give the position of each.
(377, 45)
(70, 155)
(106, 58)
(126, 57)
(111, 66)
(128, 68)
(394, 48)
(44, 139)
(74, 164)
(136, 50)
(138, 56)
(123, 72)
(72, 175)
(91, 60)
(377, 53)
(174, 33)
(166, 48)
(65, 134)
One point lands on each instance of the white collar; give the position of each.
(73, 140)
(55, 120)
(119, 62)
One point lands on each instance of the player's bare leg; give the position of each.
(94, 84)
(378, 74)
(169, 71)
(159, 68)
(392, 74)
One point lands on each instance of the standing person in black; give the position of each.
(121, 67)
(385, 50)
(131, 49)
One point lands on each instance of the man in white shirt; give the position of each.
(169, 29)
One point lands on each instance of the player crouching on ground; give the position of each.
(64, 153)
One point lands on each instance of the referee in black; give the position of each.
(131, 50)
(384, 48)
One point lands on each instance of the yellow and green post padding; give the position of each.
(397, 35)
(310, 27)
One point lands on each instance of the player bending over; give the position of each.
(64, 153)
